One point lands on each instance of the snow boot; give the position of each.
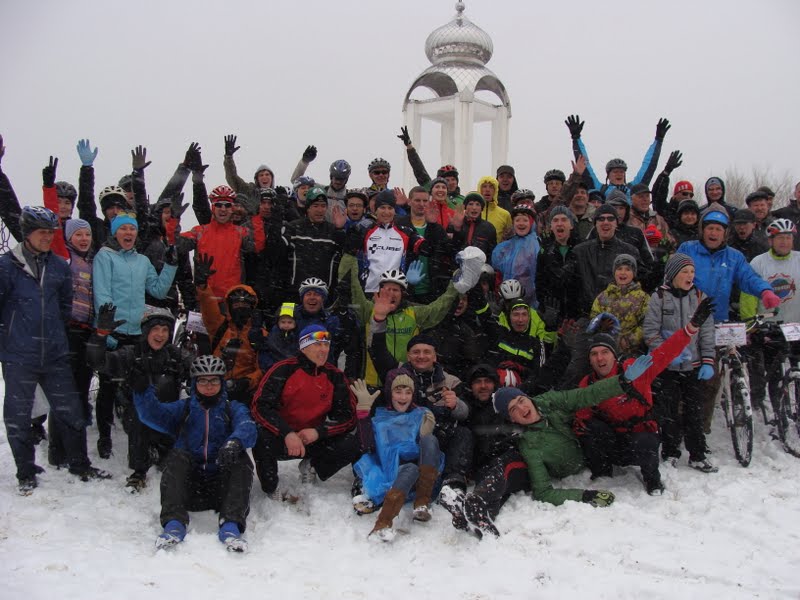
(427, 478)
(703, 466)
(453, 500)
(136, 482)
(654, 487)
(90, 473)
(477, 513)
(104, 446)
(230, 535)
(363, 505)
(307, 472)
(26, 485)
(392, 504)
(173, 534)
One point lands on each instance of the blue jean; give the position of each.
(408, 473)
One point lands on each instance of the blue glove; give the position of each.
(86, 154)
(705, 373)
(414, 273)
(684, 356)
(638, 367)
(604, 322)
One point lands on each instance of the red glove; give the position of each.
(653, 235)
(770, 300)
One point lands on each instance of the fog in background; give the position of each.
(282, 75)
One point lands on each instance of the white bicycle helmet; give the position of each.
(311, 283)
(394, 276)
(511, 289)
(207, 365)
(781, 226)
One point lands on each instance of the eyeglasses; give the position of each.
(223, 204)
(606, 218)
(687, 194)
(204, 381)
(380, 172)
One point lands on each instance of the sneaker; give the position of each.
(26, 485)
(422, 513)
(92, 473)
(136, 482)
(703, 466)
(230, 535)
(307, 472)
(671, 461)
(173, 534)
(104, 447)
(363, 505)
(477, 513)
(452, 499)
(387, 534)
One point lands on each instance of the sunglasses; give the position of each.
(223, 204)
(204, 381)
(606, 218)
(687, 194)
(380, 172)
(320, 336)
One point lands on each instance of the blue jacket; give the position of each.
(33, 315)
(644, 175)
(516, 259)
(717, 272)
(122, 277)
(201, 432)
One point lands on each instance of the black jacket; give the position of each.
(477, 232)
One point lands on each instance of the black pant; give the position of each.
(499, 478)
(327, 456)
(107, 393)
(679, 411)
(457, 444)
(604, 447)
(140, 440)
(186, 487)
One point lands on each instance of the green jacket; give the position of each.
(402, 324)
(550, 448)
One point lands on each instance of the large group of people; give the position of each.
(445, 345)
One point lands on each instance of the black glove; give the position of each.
(309, 154)
(575, 126)
(230, 145)
(238, 386)
(139, 158)
(171, 256)
(283, 192)
(230, 352)
(662, 128)
(229, 454)
(105, 319)
(49, 173)
(674, 161)
(596, 498)
(175, 206)
(704, 310)
(202, 269)
(140, 375)
(404, 136)
(550, 317)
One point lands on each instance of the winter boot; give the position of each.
(453, 500)
(173, 534)
(26, 485)
(654, 487)
(392, 504)
(307, 472)
(91, 473)
(230, 535)
(427, 478)
(136, 482)
(363, 505)
(477, 513)
(104, 446)
(703, 466)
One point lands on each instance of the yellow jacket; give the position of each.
(495, 214)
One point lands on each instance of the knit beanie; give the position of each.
(74, 225)
(474, 197)
(616, 195)
(605, 340)
(503, 397)
(123, 219)
(307, 336)
(385, 197)
(403, 380)
(605, 209)
(560, 209)
(625, 259)
(674, 265)
(421, 339)
(437, 180)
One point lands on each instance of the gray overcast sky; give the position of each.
(284, 75)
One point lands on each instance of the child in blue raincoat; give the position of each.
(516, 257)
(405, 454)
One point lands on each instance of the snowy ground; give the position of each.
(734, 534)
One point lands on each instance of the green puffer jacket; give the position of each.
(550, 448)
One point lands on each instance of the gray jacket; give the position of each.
(668, 313)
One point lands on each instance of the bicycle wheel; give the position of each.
(741, 416)
(787, 409)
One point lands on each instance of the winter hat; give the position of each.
(153, 316)
(474, 197)
(685, 205)
(753, 196)
(653, 235)
(617, 196)
(312, 334)
(605, 209)
(715, 213)
(674, 265)
(682, 186)
(596, 195)
(503, 397)
(74, 225)
(437, 180)
(123, 219)
(263, 168)
(482, 370)
(605, 340)
(744, 215)
(560, 209)
(713, 181)
(287, 310)
(402, 380)
(625, 259)
(420, 339)
(385, 197)
(505, 169)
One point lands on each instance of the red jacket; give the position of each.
(296, 394)
(59, 246)
(630, 414)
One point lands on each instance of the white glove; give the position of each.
(365, 400)
(470, 261)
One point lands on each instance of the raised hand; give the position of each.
(457, 220)
(404, 137)
(338, 217)
(400, 196)
(175, 206)
(704, 310)
(414, 274)
(49, 173)
(85, 153)
(364, 399)
(202, 269)
(638, 367)
(674, 161)
(105, 319)
(579, 165)
(139, 158)
(309, 154)
(575, 126)
(230, 145)
(382, 306)
(662, 128)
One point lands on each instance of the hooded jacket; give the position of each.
(493, 212)
(629, 305)
(249, 190)
(516, 258)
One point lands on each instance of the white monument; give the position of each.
(458, 52)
